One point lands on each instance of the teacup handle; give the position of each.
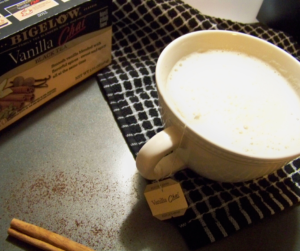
(155, 150)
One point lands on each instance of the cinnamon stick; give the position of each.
(34, 242)
(46, 236)
(22, 89)
(20, 97)
(14, 97)
(29, 97)
(16, 104)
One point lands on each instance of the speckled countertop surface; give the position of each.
(67, 168)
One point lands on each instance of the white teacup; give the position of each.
(180, 145)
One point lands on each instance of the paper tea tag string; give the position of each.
(166, 199)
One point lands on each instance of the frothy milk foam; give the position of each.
(238, 101)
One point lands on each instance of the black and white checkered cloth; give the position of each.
(141, 30)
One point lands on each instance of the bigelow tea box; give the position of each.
(47, 46)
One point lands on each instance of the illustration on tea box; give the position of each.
(15, 94)
(4, 21)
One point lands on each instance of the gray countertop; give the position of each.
(66, 167)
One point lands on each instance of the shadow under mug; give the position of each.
(179, 146)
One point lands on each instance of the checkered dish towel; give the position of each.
(141, 30)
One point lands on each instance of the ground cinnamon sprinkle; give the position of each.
(76, 205)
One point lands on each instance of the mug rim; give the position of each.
(159, 84)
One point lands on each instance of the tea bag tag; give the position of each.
(166, 199)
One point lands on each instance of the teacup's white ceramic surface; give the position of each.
(179, 145)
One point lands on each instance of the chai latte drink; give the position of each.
(237, 101)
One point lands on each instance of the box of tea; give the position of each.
(47, 46)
